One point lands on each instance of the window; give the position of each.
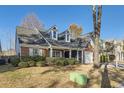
(68, 38)
(54, 34)
(56, 53)
(35, 52)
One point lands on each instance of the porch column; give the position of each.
(122, 56)
(82, 56)
(116, 59)
(77, 55)
(61, 53)
(70, 53)
(51, 52)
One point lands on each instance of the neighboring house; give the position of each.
(51, 43)
(119, 50)
(9, 53)
(115, 47)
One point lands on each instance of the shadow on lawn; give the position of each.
(118, 77)
(105, 82)
(58, 68)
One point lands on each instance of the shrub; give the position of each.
(38, 58)
(23, 64)
(43, 58)
(31, 63)
(111, 57)
(15, 62)
(103, 58)
(41, 64)
(50, 61)
(60, 62)
(26, 58)
(71, 61)
(77, 62)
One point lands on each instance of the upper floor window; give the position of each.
(54, 34)
(67, 36)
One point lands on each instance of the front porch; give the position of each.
(65, 53)
(81, 55)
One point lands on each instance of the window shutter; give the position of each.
(30, 51)
(40, 52)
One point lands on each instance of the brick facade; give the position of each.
(24, 51)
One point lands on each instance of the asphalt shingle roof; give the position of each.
(33, 37)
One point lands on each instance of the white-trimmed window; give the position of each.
(33, 51)
(57, 53)
(67, 37)
(54, 34)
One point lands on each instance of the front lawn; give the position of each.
(39, 76)
(47, 77)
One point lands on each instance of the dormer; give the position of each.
(54, 33)
(67, 36)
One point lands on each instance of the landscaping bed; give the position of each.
(41, 61)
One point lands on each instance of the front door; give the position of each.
(66, 54)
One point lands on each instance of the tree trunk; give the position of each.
(96, 53)
(97, 27)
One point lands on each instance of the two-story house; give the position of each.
(51, 43)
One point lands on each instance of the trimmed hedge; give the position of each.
(60, 62)
(65, 61)
(26, 58)
(50, 61)
(71, 61)
(41, 64)
(38, 58)
(23, 64)
(31, 63)
(28, 61)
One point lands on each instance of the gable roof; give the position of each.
(35, 37)
(30, 36)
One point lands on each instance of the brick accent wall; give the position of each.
(45, 52)
(24, 51)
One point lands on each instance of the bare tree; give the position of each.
(97, 27)
(30, 21)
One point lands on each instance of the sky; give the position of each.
(112, 25)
